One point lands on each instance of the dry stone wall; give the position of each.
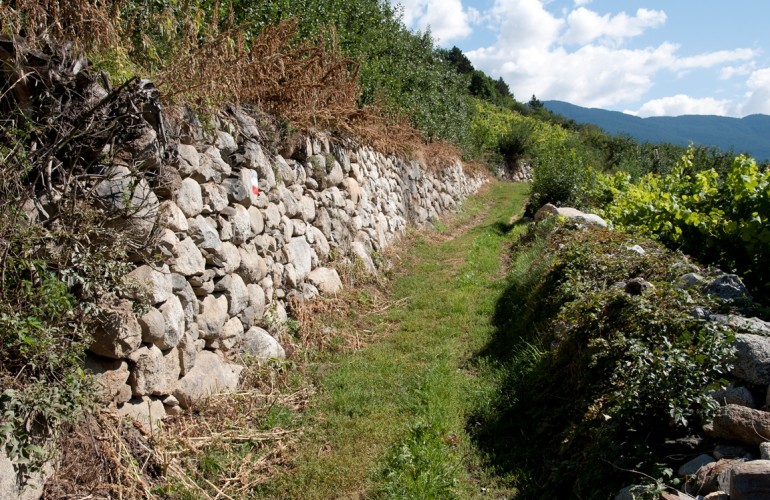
(241, 230)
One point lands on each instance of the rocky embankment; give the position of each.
(730, 459)
(237, 224)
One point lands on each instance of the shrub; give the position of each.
(718, 218)
(596, 379)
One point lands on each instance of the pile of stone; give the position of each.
(241, 230)
(731, 461)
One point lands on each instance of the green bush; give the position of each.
(595, 379)
(721, 219)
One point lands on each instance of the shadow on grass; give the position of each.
(518, 432)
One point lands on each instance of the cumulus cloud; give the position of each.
(681, 104)
(728, 72)
(536, 53)
(758, 95)
(446, 19)
(585, 25)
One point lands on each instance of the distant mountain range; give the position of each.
(750, 134)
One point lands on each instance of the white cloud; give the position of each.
(728, 72)
(578, 3)
(758, 96)
(681, 104)
(446, 19)
(532, 55)
(585, 25)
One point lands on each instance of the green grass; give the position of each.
(390, 420)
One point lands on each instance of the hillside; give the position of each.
(750, 134)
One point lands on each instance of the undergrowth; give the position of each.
(592, 379)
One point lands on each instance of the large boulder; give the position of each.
(326, 280)
(570, 213)
(150, 282)
(729, 288)
(741, 424)
(210, 375)
(117, 332)
(112, 376)
(299, 253)
(750, 480)
(261, 345)
(752, 358)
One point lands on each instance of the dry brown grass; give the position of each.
(309, 82)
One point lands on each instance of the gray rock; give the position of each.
(147, 371)
(633, 492)
(284, 171)
(117, 332)
(261, 345)
(214, 197)
(172, 217)
(232, 334)
(244, 188)
(728, 288)
(710, 477)
(326, 280)
(211, 167)
(227, 258)
(241, 221)
(360, 252)
(187, 298)
(735, 395)
(752, 358)
(319, 241)
(255, 309)
(212, 317)
(153, 326)
(147, 281)
(299, 253)
(234, 288)
(636, 249)
(210, 375)
(272, 216)
(174, 316)
(690, 280)
(307, 209)
(731, 451)
(10, 484)
(335, 175)
(750, 480)
(252, 157)
(111, 375)
(128, 194)
(188, 160)
(189, 198)
(187, 351)
(692, 467)
(204, 233)
(764, 450)
(253, 267)
(225, 143)
(257, 221)
(743, 325)
(144, 410)
(188, 260)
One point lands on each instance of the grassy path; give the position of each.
(390, 419)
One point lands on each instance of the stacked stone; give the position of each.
(242, 230)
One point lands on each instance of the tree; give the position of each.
(535, 103)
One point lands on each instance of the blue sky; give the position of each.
(649, 58)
